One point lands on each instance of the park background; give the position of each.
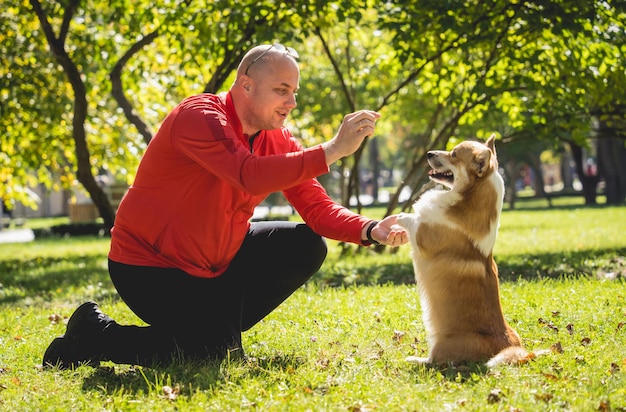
(85, 84)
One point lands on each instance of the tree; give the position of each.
(71, 32)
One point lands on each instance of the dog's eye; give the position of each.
(453, 153)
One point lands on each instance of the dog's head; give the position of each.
(464, 164)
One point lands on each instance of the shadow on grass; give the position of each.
(456, 373)
(44, 277)
(600, 263)
(144, 380)
(186, 376)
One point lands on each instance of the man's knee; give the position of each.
(315, 246)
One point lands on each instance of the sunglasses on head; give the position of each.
(276, 46)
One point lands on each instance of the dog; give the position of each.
(452, 235)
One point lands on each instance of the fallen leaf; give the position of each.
(322, 363)
(614, 368)
(170, 393)
(494, 396)
(570, 328)
(550, 377)
(398, 335)
(546, 397)
(585, 341)
(548, 324)
(604, 406)
(556, 347)
(530, 356)
(359, 407)
(55, 318)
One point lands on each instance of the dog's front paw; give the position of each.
(406, 220)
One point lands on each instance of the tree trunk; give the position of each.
(540, 191)
(589, 182)
(611, 163)
(375, 164)
(84, 172)
(510, 168)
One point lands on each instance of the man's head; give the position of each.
(265, 90)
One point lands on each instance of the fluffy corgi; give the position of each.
(452, 234)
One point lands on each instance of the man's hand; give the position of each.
(388, 232)
(352, 131)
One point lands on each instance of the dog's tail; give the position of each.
(514, 355)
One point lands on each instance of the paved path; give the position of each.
(16, 235)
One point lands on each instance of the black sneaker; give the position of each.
(82, 342)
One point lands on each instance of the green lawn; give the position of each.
(339, 343)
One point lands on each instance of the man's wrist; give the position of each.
(368, 233)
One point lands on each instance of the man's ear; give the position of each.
(245, 83)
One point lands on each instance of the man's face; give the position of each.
(273, 94)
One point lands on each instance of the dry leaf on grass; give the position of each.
(170, 393)
(398, 335)
(495, 395)
(55, 318)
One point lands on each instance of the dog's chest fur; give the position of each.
(468, 220)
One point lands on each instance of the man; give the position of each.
(184, 256)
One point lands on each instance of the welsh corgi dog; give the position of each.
(452, 234)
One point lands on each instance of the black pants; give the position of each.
(197, 318)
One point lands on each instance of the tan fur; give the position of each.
(452, 236)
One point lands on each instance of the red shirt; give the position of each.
(199, 181)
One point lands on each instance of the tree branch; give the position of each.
(117, 89)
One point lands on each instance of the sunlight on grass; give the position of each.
(527, 232)
(339, 343)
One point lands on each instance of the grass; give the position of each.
(338, 344)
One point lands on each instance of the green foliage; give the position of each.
(439, 71)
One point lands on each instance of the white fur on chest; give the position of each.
(433, 205)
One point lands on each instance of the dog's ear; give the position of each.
(481, 162)
(491, 143)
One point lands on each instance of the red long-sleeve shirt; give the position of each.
(199, 181)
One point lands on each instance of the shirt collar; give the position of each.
(232, 115)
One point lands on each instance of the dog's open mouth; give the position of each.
(441, 175)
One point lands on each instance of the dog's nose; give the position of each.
(430, 154)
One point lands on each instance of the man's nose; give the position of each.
(292, 103)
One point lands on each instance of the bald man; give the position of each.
(184, 255)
